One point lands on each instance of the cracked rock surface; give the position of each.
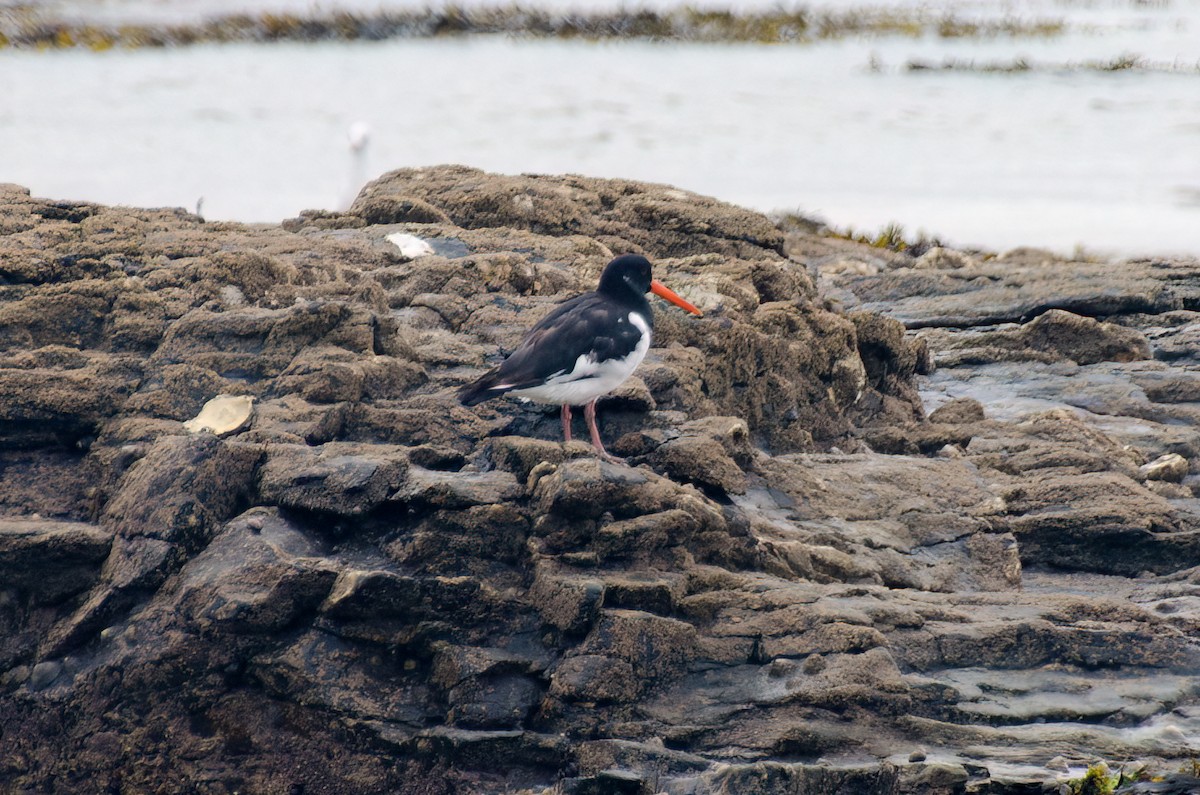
(886, 524)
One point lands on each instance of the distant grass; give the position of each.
(1120, 63)
(28, 27)
(891, 237)
(917, 22)
(958, 65)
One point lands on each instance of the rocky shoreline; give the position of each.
(888, 523)
(30, 26)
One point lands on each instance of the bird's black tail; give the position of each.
(481, 390)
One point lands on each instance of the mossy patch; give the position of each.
(1099, 780)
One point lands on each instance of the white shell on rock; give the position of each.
(410, 246)
(223, 414)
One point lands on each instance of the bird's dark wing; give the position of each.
(586, 325)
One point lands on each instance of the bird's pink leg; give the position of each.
(589, 413)
(566, 420)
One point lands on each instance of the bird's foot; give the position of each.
(604, 455)
(589, 412)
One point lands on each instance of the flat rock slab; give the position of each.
(51, 559)
(256, 577)
(458, 489)
(340, 479)
(1017, 288)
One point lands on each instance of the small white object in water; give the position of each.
(410, 246)
(359, 136)
(222, 415)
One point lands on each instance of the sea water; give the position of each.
(1061, 156)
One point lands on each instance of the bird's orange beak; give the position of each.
(662, 291)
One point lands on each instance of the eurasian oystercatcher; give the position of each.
(585, 348)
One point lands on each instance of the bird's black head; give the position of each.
(625, 274)
(627, 279)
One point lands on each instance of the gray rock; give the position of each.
(1014, 289)
(607, 781)
(657, 648)
(336, 478)
(51, 559)
(182, 489)
(133, 569)
(779, 777)
(322, 671)
(638, 215)
(959, 410)
(253, 579)
(930, 524)
(47, 406)
(362, 594)
(1075, 521)
(260, 343)
(520, 455)
(491, 702)
(566, 601)
(1053, 336)
(493, 749)
(458, 489)
(702, 461)
(595, 678)
(44, 674)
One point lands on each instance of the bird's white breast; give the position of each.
(590, 379)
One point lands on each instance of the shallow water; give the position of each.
(1053, 157)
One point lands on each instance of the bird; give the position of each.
(585, 348)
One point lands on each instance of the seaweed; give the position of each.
(1099, 780)
(28, 26)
